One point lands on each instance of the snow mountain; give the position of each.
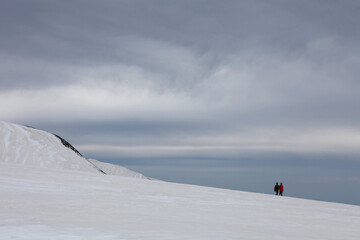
(37, 148)
(49, 191)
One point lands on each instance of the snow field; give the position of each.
(66, 204)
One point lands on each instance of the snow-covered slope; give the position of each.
(36, 148)
(112, 169)
(58, 204)
(33, 147)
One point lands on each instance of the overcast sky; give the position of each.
(234, 94)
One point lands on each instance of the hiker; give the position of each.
(281, 189)
(276, 189)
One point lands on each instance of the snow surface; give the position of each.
(112, 169)
(33, 147)
(37, 148)
(66, 204)
(65, 198)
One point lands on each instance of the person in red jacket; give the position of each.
(281, 189)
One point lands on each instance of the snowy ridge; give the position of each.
(112, 169)
(36, 148)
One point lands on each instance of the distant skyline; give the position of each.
(231, 94)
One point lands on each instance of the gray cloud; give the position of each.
(60, 34)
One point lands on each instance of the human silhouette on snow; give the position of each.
(276, 189)
(281, 189)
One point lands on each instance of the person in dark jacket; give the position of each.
(281, 189)
(276, 188)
